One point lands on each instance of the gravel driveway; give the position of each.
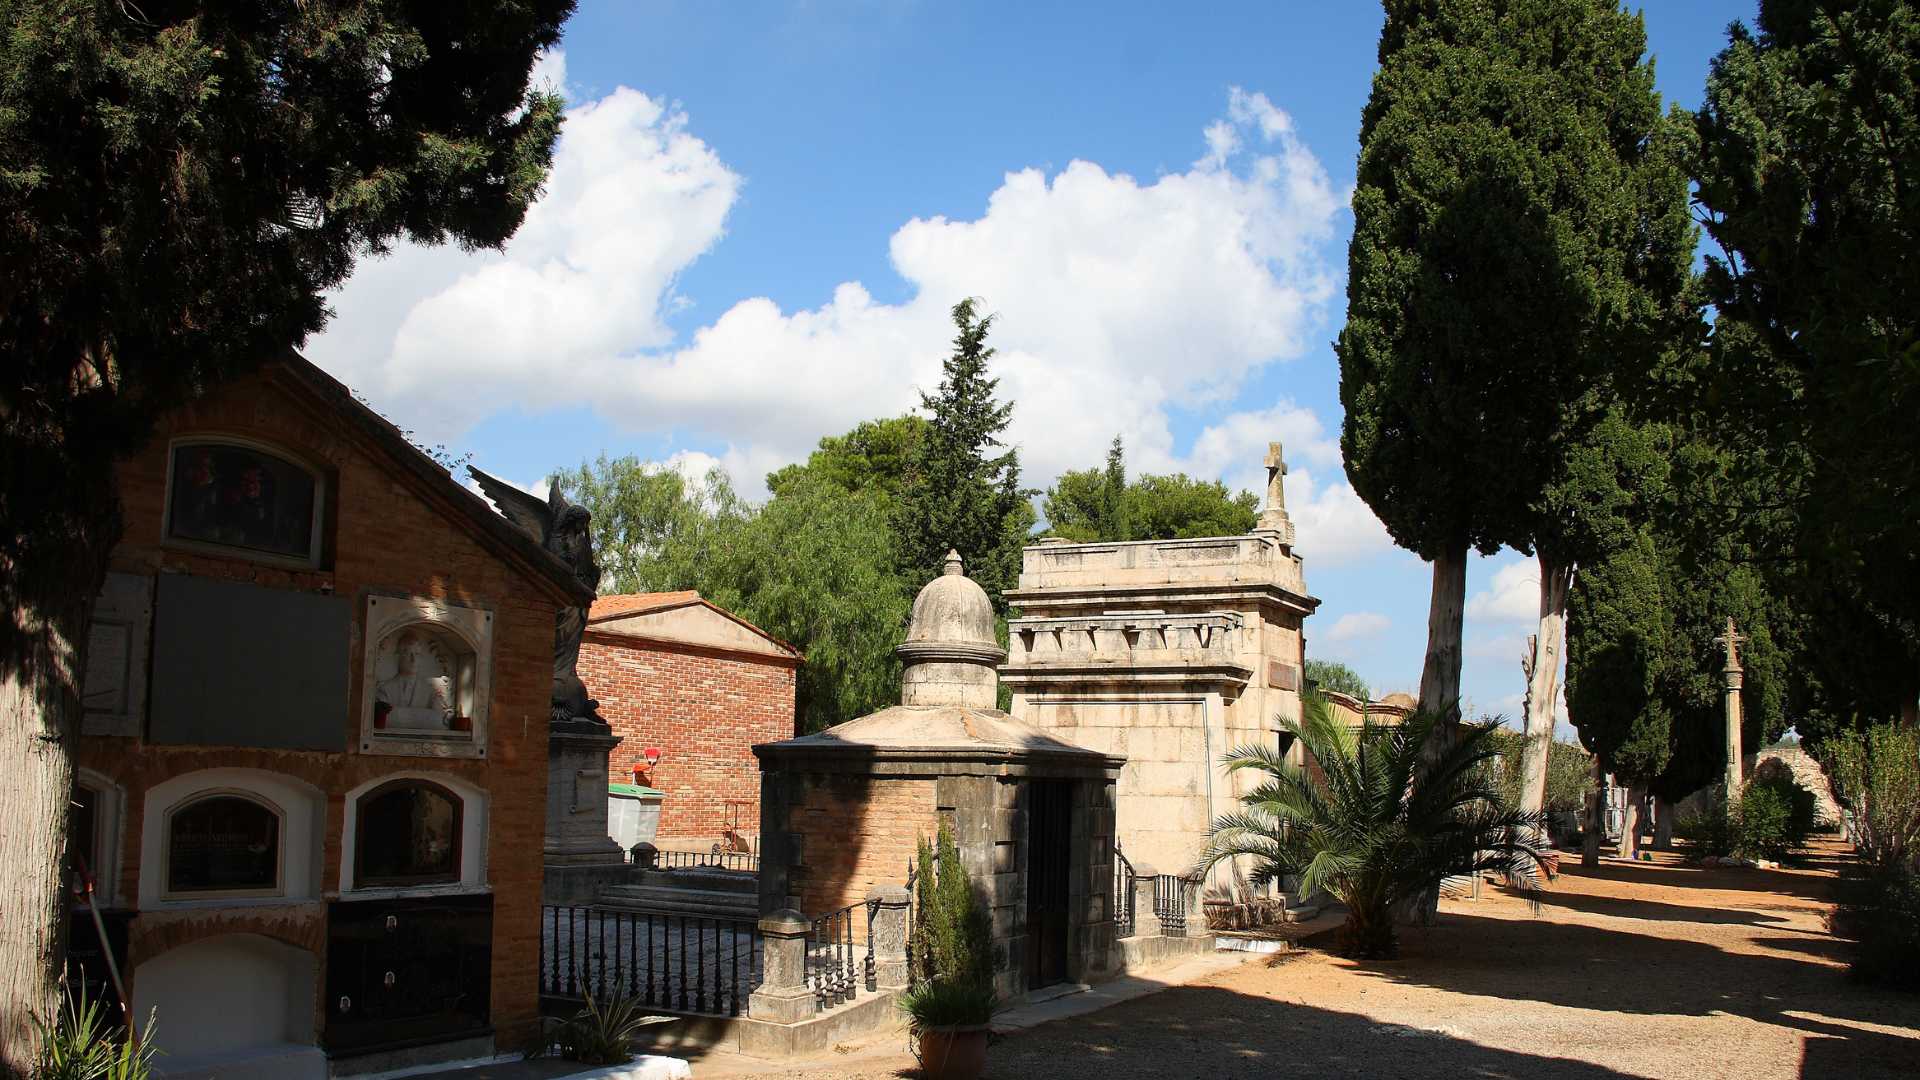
(1644, 970)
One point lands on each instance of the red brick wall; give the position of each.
(856, 833)
(703, 708)
(383, 537)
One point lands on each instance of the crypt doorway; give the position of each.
(1049, 847)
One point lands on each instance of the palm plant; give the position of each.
(1379, 816)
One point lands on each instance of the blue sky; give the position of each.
(760, 212)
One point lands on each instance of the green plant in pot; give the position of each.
(951, 949)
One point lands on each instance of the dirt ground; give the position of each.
(1644, 970)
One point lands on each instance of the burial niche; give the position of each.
(427, 676)
(225, 844)
(408, 833)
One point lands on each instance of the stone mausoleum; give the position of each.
(843, 811)
(1168, 653)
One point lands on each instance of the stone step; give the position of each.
(712, 879)
(682, 900)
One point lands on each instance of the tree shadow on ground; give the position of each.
(1624, 972)
(1209, 1031)
(1727, 878)
(1627, 908)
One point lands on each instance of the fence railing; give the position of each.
(658, 859)
(1123, 876)
(838, 966)
(1170, 902)
(683, 963)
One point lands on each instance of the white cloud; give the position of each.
(1116, 300)
(1358, 625)
(1514, 594)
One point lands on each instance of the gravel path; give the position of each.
(1642, 970)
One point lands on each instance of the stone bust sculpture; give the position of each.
(561, 528)
(412, 698)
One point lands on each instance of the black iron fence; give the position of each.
(1123, 876)
(837, 964)
(658, 859)
(681, 963)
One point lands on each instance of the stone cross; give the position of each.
(1276, 486)
(1730, 641)
(1273, 517)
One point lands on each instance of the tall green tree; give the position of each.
(963, 489)
(1808, 184)
(875, 455)
(1339, 678)
(1510, 149)
(813, 566)
(1103, 505)
(180, 183)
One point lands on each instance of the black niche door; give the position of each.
(1049, 850)
(407, 972)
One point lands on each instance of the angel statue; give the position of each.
(560, 527)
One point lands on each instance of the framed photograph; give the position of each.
(231, 494)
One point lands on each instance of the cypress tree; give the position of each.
(960, 493)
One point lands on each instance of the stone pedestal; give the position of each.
(577, 794)
(1146, 921)
(783, 997)
(890, 971)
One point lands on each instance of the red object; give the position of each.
(653, 756)
(463, 723)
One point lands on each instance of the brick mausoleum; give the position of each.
(313, 769)
(843, 810)
(699, 684)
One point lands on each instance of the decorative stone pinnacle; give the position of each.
(953, 564)
(1273, 517)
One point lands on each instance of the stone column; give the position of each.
(1735, 677)
(577, 794)
(1191, 898)
(783, 997)
(1146, 923)
(890, 971)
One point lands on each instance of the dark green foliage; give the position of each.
(1772, 818)
(1510, 149)
(814, 567)
(85, 1045)
(1569, 772)
(1709, 832)
(960, 494)
(1373, 825)
(952, 938)
(876, 455)
(943, 1003)
(1807, 145)
(1101, 504)
(1339, 678)
(602, 1032)
(1879, 909)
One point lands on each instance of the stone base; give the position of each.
(1137, 954)
(868, 1014)
(608, 854)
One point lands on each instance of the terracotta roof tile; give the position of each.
(633, 603)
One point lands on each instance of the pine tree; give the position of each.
(180, 184)
(960, 494)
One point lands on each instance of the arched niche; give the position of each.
(235, 1006)
(96, 820)
(427, 678)
(240, 497)
(209, 820)
(413, 831)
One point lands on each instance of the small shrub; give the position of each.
(1879, 908)
(84, 1045)
(1774, 817)
(943, 1003)
(952, 935)
(602, 1033)
(1876, 776)
(1709, 832)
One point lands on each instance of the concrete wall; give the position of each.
(385, 534)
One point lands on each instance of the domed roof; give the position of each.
(952, 610)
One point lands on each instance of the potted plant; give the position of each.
(951, 950)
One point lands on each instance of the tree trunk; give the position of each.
(1440, 684)
(1662, 824)
(1440, 678)
(1910, 712)
(58, 520)
(1630, 822)
(1596, 825)
(1543, 682)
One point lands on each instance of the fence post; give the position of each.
(783, 997)
(1192, 900)
(889, 936)
(643, 855)
(1146, 912)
